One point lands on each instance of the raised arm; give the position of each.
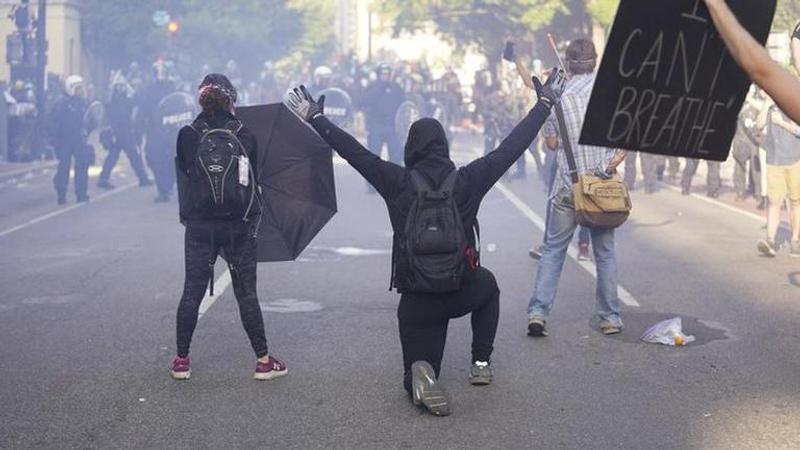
(382, 175)
(484, 172)
(781, 85)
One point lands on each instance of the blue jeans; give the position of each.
(560, 229)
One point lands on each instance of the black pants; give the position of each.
(238, 245)
(376, 137)
(423, 320)
(82, 155)
(132, 152)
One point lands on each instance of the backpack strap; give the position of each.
(234, 126)
(449, 182)
(420, 183)
(201, 127)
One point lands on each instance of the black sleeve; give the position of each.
(796, 32)
(384, 176)
(484, 172)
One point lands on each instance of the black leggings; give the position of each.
(423, 320)
(239, 247)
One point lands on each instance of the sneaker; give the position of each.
(583, 252)
(795, 251)
(536, 327)
(762, 204)
(480, 374)
(609, 328)
(767, 248)
(270, 369)
(426, 390)
(104, 184)
(686, 190)
(536, 252)
(181, 369)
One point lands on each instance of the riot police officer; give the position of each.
(70, 140)
(159, 151)
(380, 103)
(120, 135)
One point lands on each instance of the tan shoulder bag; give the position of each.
(599, 202)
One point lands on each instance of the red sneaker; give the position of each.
(270, 369)
(181, 369)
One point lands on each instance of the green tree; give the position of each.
(482, 23)
(116, 32)
(602, 12)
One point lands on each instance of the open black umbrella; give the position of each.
(296, 176)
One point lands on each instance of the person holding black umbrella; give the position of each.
(433, 208)
(221, 207)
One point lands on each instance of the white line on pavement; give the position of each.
(64, 210)
(624, 296)
(720, 204)
(220, 285)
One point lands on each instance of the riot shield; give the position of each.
(407, 114)
(338, 106)
(174, 111)
(93, 120)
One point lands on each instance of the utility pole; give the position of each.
(40, 76)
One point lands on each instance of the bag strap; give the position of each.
(449, 183)
(201, 127)
(567, 143)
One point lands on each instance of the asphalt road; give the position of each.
(87, 311)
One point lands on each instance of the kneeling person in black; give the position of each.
(220, 206)
(424, 316)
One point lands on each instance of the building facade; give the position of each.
(65, 54)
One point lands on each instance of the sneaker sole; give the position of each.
(766, 250)
(426, 390)
(181, 375)
(611, 331)
(536, 330)
(271, 375)
(480, 381)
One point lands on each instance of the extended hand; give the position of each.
(550, 92)
(303, 104)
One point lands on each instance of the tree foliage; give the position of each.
(211, 31)
(602, 11)
(483, 23)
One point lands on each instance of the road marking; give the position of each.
(25, 170)
(220, 285)
(624, 296)
(64, 210)
(720, 204)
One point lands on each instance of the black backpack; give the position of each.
(434, 241)
(217, 191)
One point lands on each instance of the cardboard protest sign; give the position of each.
(667, 84)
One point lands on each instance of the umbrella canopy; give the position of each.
(295, 172)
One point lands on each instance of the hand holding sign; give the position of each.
(667, 84)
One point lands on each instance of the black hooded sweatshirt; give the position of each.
(427, 152)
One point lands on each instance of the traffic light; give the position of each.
(173, 26)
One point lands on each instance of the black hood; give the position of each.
(428, 152)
